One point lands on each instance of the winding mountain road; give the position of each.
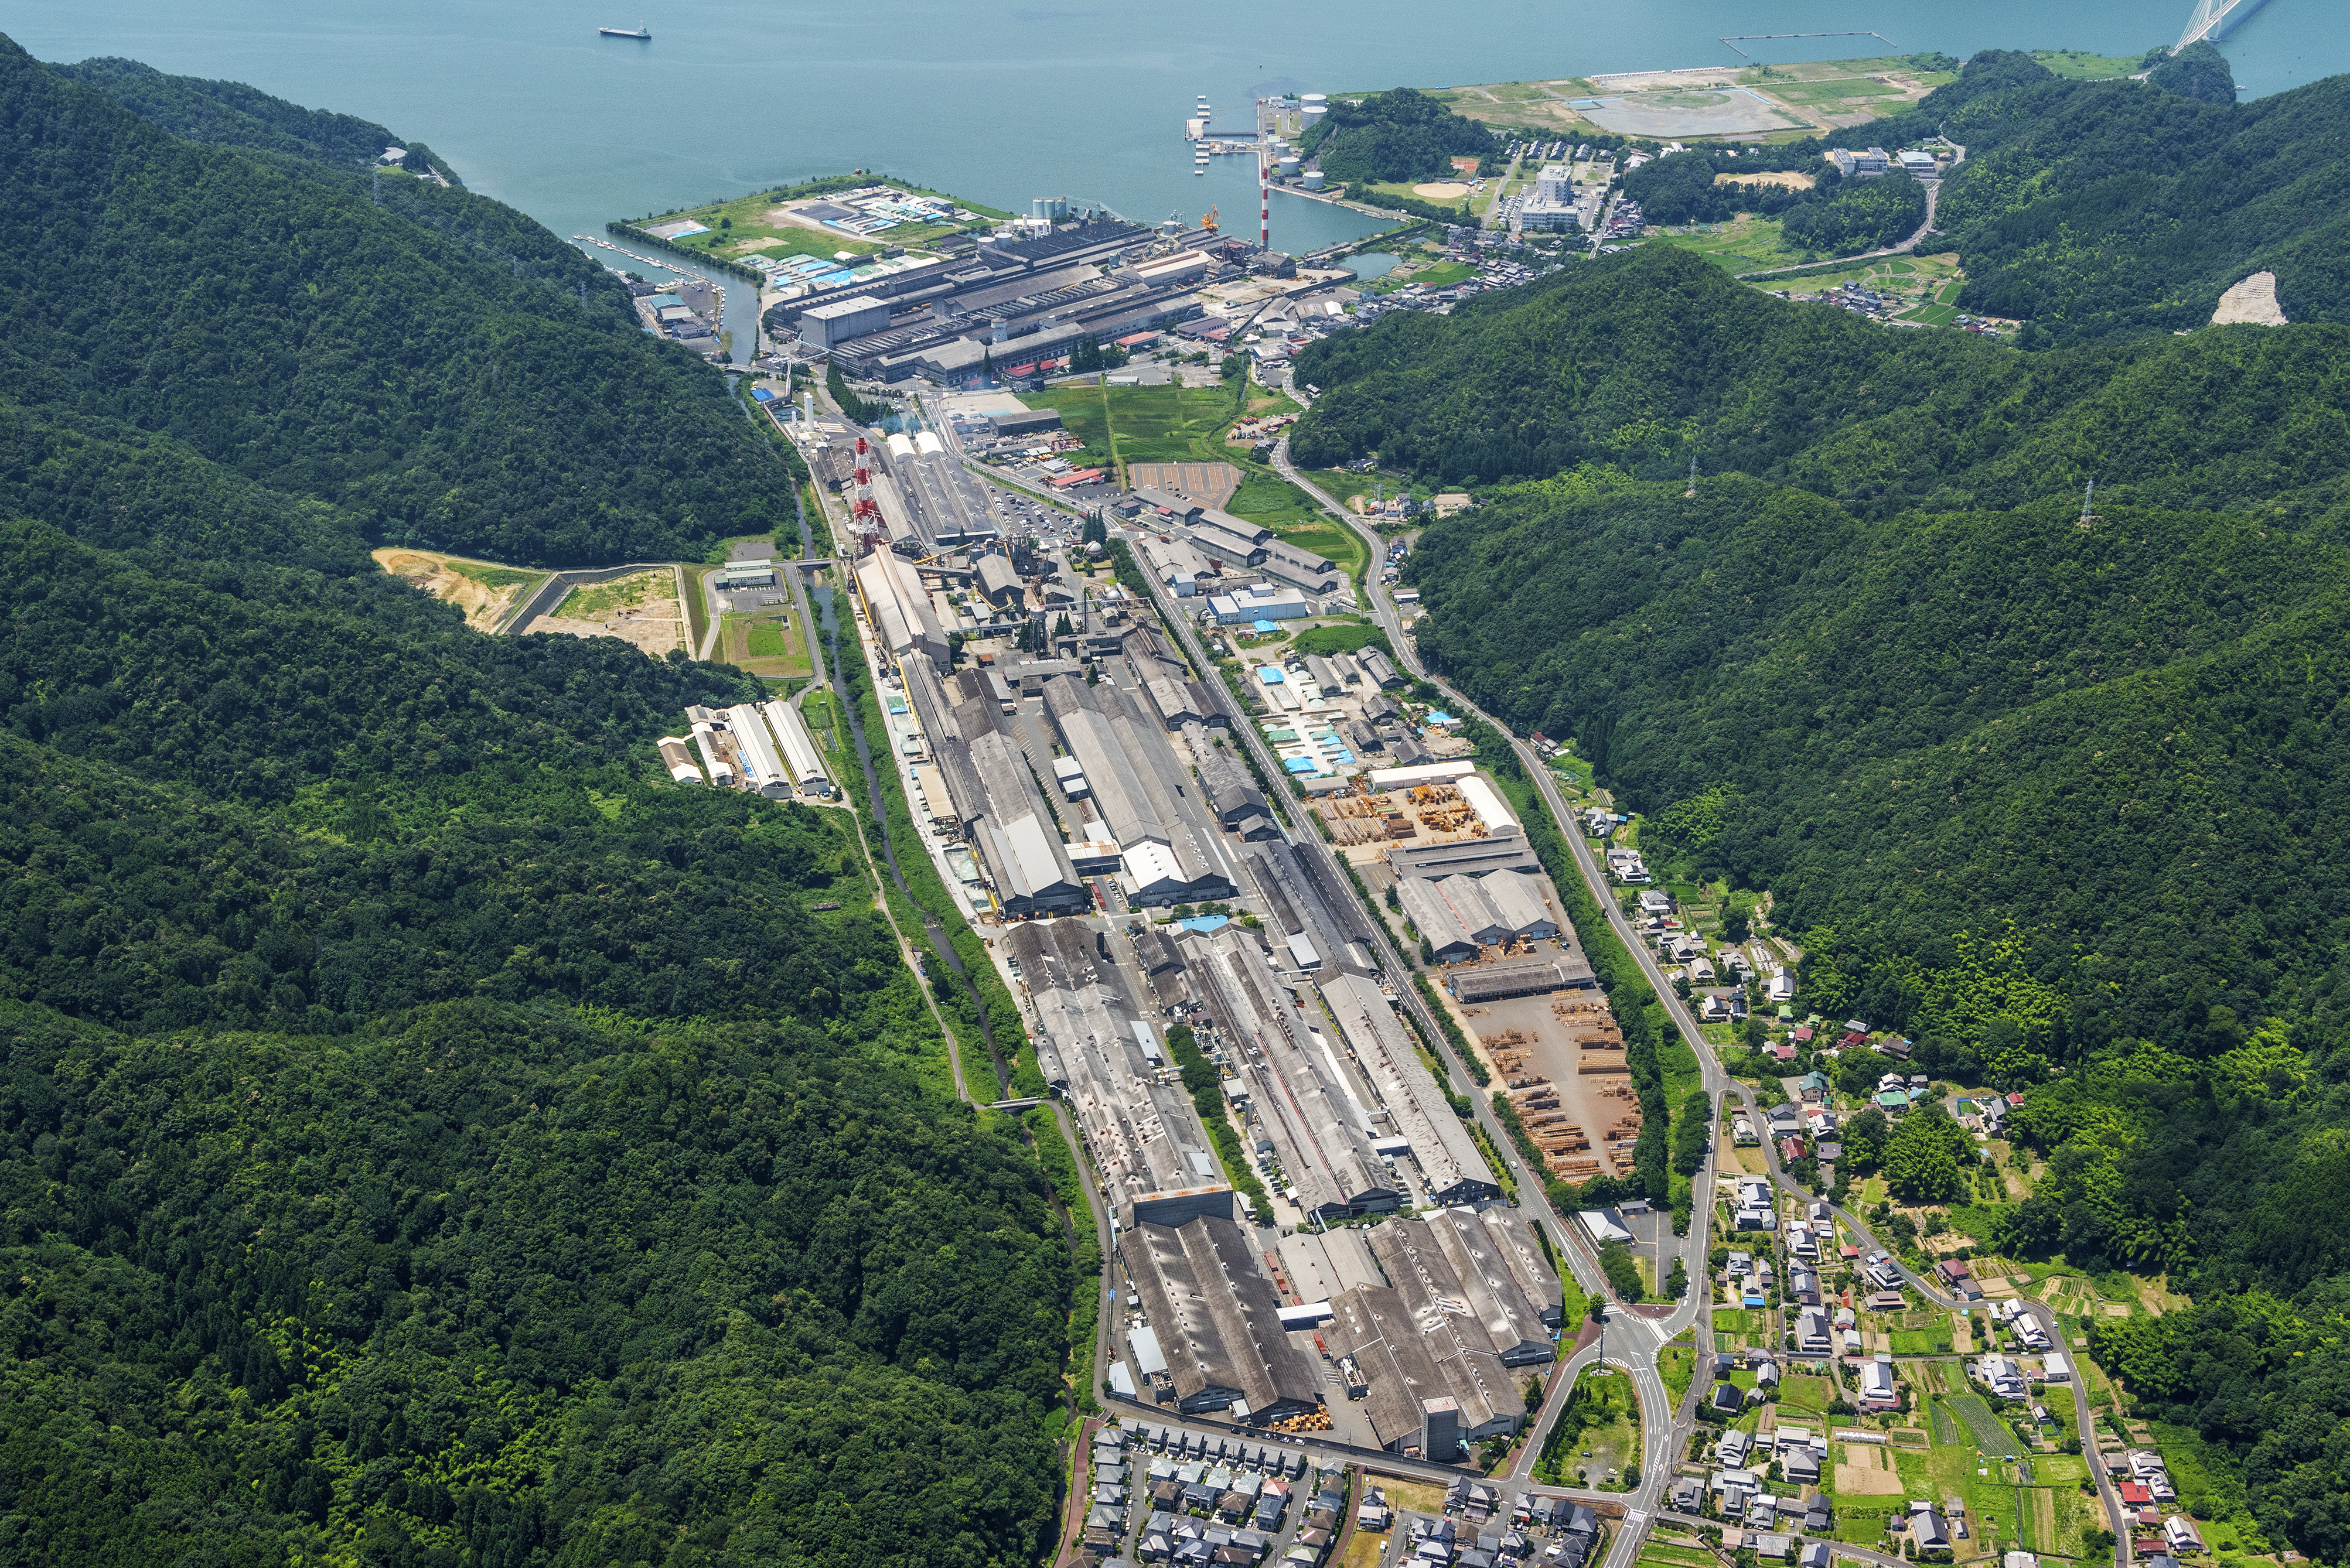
(1664, 1430)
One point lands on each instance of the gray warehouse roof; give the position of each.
(1218, 1321)
(1325, 1153)
(1450, 1161)
(1143, 1131)
(1465, 857)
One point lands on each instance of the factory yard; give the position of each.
(484, 591)
(642, 609)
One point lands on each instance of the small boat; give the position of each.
(641, 31)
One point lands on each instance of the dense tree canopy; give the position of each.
(432, 1137)
(1395, 136)
(431, 361)
(2107, 209)
(1859, 216)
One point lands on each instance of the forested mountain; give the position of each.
(1395, 136)
(2102, 209)
(2064, 798)
(431, 361)
(431, 1138)
(235, 115)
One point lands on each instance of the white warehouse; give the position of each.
(802, 766)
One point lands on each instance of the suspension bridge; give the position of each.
(2210, 17)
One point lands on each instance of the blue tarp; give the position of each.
(762, 394)
(1436, 718)
(1271, 674)
(1268, 626)
(1302, 765)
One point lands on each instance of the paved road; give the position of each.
(1717, 1080)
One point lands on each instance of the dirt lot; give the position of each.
(1869, 1472)
(484, 591)
(640, 609)
(1530, 1038)
(1787, 178)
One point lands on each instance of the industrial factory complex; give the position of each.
(1087, 795)
(1308, 1235)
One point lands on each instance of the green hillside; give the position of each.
(2063, 799)
(2098, 209)
(432, 1137)
(440, 366)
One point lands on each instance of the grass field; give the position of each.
(1121, 425)
(1342, 636)
(1599, 1433)
(743, 226)
(1830, 90)
(2081, 66)
(592, 601)
(764, 642)
(1678, 1556)
(1341, 485)
(1676, 1364)
(1807, 1393)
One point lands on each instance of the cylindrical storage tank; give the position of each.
(1289, 165)
(1313, 111)
(1311, 98)
(1313, 179)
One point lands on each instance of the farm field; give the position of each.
(483, 590)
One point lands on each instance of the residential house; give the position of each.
(2001, 1376)
(1812, 1333)
(1877, 1389)
(2178, 1533)
(1928, 1529)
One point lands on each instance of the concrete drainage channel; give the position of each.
(552, 592)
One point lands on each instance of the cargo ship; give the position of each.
(639, 31)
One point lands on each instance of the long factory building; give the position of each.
(1429, 1318)
(764, 748)
(1010, 302)
(929, 501)
(1439, 1306)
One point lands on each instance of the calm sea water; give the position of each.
(1001, 100)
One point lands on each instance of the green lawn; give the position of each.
(2082, 66)
(1676, 1364)
(1338, 484)
(1342, 636)
(1744, 245)
(1831, 89)
(1807, 1393)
